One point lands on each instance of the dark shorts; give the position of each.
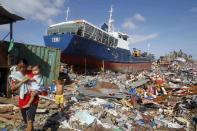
(28, 114)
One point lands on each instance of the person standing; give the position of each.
(20, 82)
(59, 95)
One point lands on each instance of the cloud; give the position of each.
(194, 9)
(142, 38)
(139, 17)
(39, 10)
(131, 23)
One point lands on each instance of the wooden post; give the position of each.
(85, 65)
(11, 31)
(103, 62)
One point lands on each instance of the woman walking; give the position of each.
(20, 82)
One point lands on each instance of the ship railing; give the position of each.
(98, 35)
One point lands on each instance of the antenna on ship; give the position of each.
(148, 46)
(67, 11)
(110, 22)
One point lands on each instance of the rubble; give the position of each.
(164, 98)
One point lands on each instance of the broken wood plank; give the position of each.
(6, 108)
(47, 98)
(13, 101)
(42, 105)
(7, 121)
(7, 116)
(41, 111)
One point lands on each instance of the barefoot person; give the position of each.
(36, 84)
(20, 82)
(59, 95)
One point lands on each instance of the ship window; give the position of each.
(65, 28)
(79, 32)
(125, 38)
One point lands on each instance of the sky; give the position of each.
(161, 25)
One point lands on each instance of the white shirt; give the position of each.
(38, 83)
(17, 75)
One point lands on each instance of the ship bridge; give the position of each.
(122, 39)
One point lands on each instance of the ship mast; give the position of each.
(148, 46)
(110, 22)
(67, 11)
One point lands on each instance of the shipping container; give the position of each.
(48, 58)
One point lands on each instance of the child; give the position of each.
(36, 83)
(59, 94)
(29, 73)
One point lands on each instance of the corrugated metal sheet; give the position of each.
(47, 57)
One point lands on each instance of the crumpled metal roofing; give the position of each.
(6, 17)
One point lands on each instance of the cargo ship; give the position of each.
(84, 44)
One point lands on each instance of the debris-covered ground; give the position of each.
(164, 98)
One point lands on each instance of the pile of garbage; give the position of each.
(163, 98)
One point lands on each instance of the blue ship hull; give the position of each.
(79, 51)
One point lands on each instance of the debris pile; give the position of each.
(163, 98)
